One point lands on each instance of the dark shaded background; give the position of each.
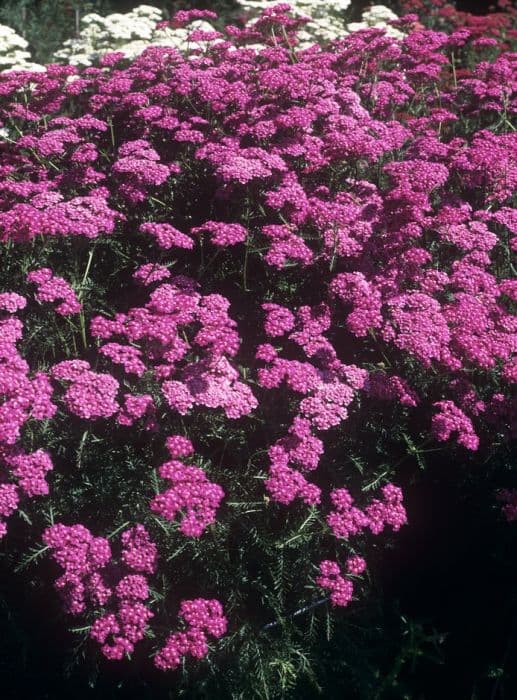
(440, 623)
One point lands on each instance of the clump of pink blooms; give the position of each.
(451, 419)
(222, 234)
(149, 273)
(157, 338)
(82, 558)
(167, 236)
(8, 504)
(347, 519)
(203, 618)
(299, 447)
(327, 385)
(122, 613)
(12, 302)
(341, 589)
(51, 288)
(128, 625)
(190, 492)
(139, 552)
(29, 470)
(88, 565)
(331, 579)
(135, 407)
(89, 394)
(119, 631)
(22, 398)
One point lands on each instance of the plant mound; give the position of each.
(240, 287)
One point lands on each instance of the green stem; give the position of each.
(82, 320)
(118, 529)
(112, 132)
(87, 271)
(245, 268)
(453, 63)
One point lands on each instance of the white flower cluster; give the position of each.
(130, 33)
(377, 16)
(13, 53)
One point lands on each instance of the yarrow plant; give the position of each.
(244, 283)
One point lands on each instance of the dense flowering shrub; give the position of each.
(297, 260)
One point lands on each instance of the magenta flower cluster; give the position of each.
(51, 288)
(451, 419)
(346, 519)
(23, 397)
(139, 553)
(189, 493)
(82, 558)
(89, 394)
(327, 384)
(203, 618)
(331, 579)
(87, 583)
(159, 342)
(119, 631)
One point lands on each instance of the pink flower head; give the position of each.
(82, 558)
(90, 395)
(52, 288)
(12, 302)
(203, 617)
(341, 589)
(167, 236)
(190, 493)
(30, 470)
(223, 234)
(355, 565)
(279, 320)
(179, 446)
(450, 419)
(149, 273)
(8, 503)
(139, 552)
